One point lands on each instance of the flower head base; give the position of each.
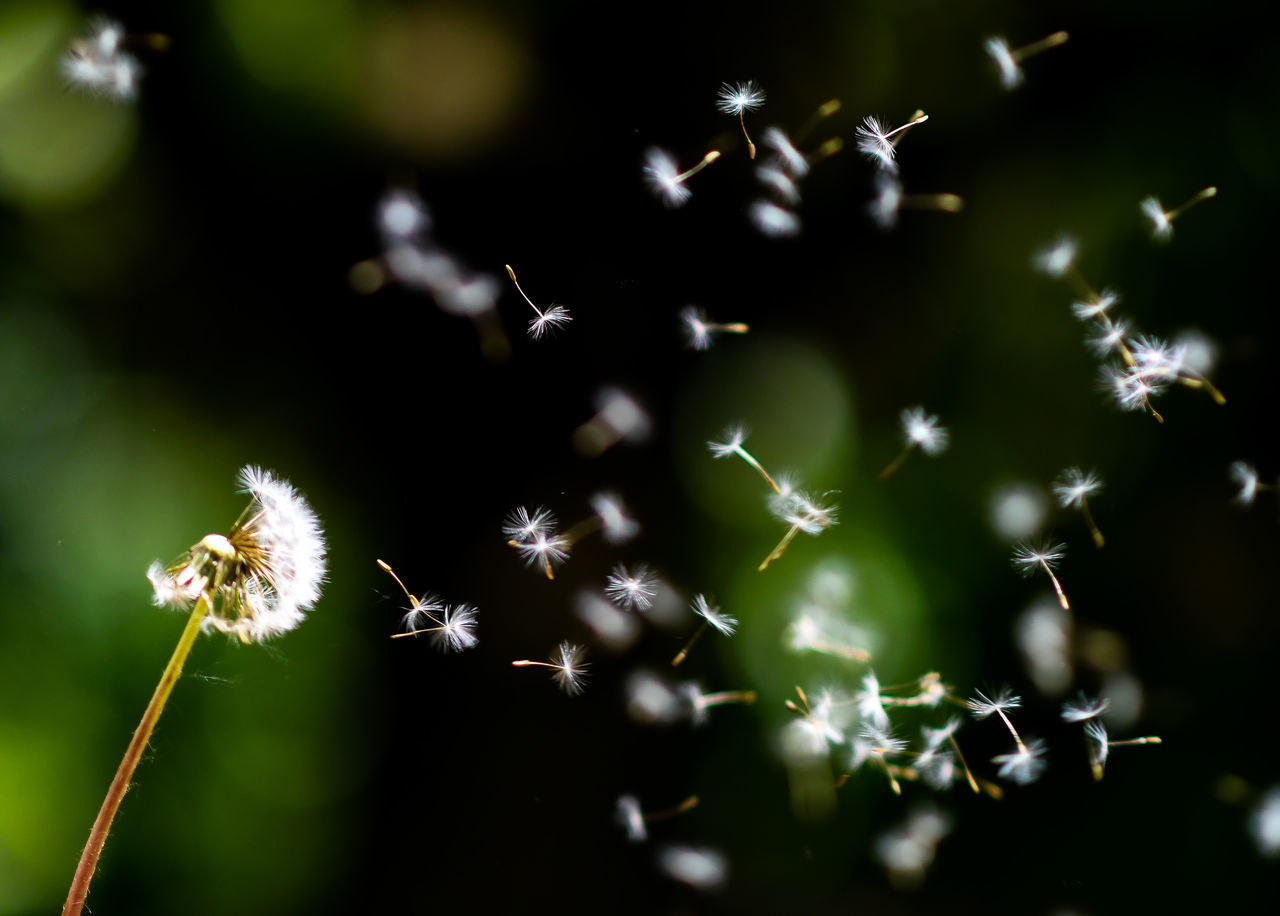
(260, 579)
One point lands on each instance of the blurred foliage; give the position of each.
(173, 305)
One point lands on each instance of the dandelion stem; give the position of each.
(525, 663)
(1096, 532)
(120, 784)
(583, 528)
(736, 327)
(706, 161)
(968, 774)
(512, 274)
(918, 118)
(751, 147)
(1202, 382)
(688, 804)
(779, 550)
(750, 459)
(728, 696)
(896, 462)
(826, 150)
(1201, 195)
(689, 645)
(1057, 587)
(1044, 44)
(1017, 739)
(951, 203)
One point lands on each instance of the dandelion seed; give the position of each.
(1109, 337)
(533, 536)
(1017, 510)
(701, 868)
(869, 702)
(1162, 220)
(553, 317)
(982, 706)
(908, 851)
(803, 513)
(1028, 559)
(1073, 489)
(618, 418)
(711, 617)
(452, 625)
(616, 629)
(631, 589)
(734, 437)
(772, 220)
(700, 331)
(919, 430)
(873, 140)
(96, 62)
(665, 177)
(780, 183)
(568, 664)
(1083, 709)
(1009, 61)
(615, 525)
(1025, 765)
(634, 820)
(697, 702)
(890, 199)
(814, 632)
(1058, 258)
(1099, 745)
(791, 159)
(1264, 823)
(402, 217)
(254, 583)
(1044, 635)
(1245, 477)
(651, 701)
(1096, 308)
(740, 98)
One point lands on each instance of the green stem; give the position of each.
(120, 784)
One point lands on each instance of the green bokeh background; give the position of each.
(174, 304)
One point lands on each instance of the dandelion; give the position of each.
(780, 183)
(634, 820)
(254, 583)
(909, 850)
(1162, 220)
(1009, 61)
(734, 436)
(740, 98)
(803, 513)
(890, 199)
(1043, 633)
(1245, 477)
(874, 140)
(1058, 258)
(1083, 709)
(1027, 559)
(616, 629)
(1096, 307)
(700, 330)
(615, 525)
(1109, 336)
(453, 624)
(651, 701)
(814, 632)
(665, 177)
(869, 702)
(1073, 489)
(631, 589)
(568, 664)
(1099, 745)
(618, 418)
(919, 430)
(402, 216)
(772, 220)
(553, 317)
(711, 617)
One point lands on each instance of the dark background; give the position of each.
(174, 304)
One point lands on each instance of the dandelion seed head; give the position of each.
(456, 629)
(694, 320)
(571, 667)
(1028, 558)
(699, 867)
(522, 526)
(1096, 307)
(621, 413)
(1245, 477)
(260, 579)
(1074, 486)
(922, 430)
(772, 220)
(739, 97)
(1082, 709)
(873, 142)
(1199, 351)
(884, 208)
(1023, 766)
(554, 317)
(616, 629)
(1099, 745)
(651, 701)
(631, 818)
(402, 215)
(663, 176)
(734, 436)
(870, 703)
(1109, 336)
(1058, 258)
(632, 589)
(1264, 823)
(1161, 225)
(94, 62)
(1043, 634)
(981, 706)
(1010, 73)
(722, 622)
(779, 182)
(615, 525)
